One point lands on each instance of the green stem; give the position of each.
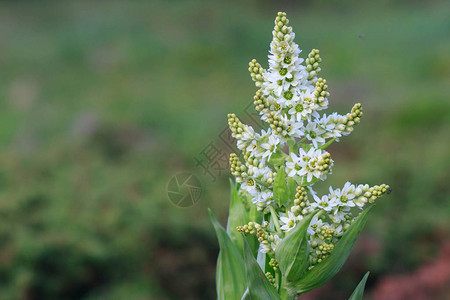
(319, 213)
(275, 219)
(327, 144)
(301, 141)
(291, 148)
(284, 294)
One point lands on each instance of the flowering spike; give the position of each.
(281, 164)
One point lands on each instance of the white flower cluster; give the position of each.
(289, 99)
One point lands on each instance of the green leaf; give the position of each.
(231, 279)
(259, 288)
(219, 273)
(325, 270)
(246, 295)
(278, 158)
(359, 291)
(238, 216)
(292, 252)
(291, 185)
(280, 190)
(302, 181)
(255, 215)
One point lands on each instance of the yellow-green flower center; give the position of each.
(288, 95)
(283, 71)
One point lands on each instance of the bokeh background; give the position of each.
(102, 102)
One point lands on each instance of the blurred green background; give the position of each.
(103, 102)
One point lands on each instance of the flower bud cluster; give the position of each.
(274, 264)
(281, 29)
(271, 279)
(352, 118)
(320, 252)
(256, 72)
(260, 101)
(371, 194)
(237, 168)
(236, 126)
(276, 123)
(312, 64)
(321, 94)
(270, 244)
(254, 228)
(301, 204)
(323, 236)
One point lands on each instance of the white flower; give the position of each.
(314, 134)
(270, 146)
(249, 185)
(297, 111)
(294, 127)
(293, 166)
(329, 124)
(275, 241)
(345, 196)
(247, 138)
(324, 203)
(248, 133)
(288, 98)
(360, 190)
(266, 197)
(272, 85)
(339, 215)
(315, 223)
(287, 221)
(311, 162)
(338, 231)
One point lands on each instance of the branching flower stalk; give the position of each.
(299, 239)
